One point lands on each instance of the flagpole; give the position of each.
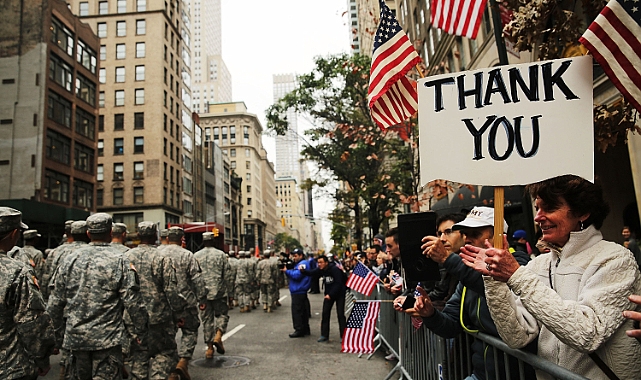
(498, 32)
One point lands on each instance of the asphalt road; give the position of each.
(258, 347)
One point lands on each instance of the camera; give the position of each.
(285, 263)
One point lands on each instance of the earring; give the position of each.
(581, 225)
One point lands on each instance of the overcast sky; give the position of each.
(261, 38)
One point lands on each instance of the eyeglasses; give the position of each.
(446, 232)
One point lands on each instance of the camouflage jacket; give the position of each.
(52, 263)
(245, 272)
(158, 284)
(233, 264)
(91, 289)
(26, 332)
(264, 272)
(34, 258)
(190, 280)
(217, 272)
(120, 247)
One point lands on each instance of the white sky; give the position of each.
(261, 38)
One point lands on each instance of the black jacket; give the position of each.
(333, 278)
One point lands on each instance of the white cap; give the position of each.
(479, 217)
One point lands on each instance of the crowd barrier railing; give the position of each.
(423, 355)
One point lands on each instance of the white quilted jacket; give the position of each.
(573, 301)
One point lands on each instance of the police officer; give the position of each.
(299, 284)
(217, 277)
(161, 297)
(192, 289)
(119, 236)
(91, 289)
(26, 332)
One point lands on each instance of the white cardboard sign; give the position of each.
(508, 125)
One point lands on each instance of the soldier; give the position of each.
(277, 274)
(161, 297)
(231, 287)
(255, 293)
(30, 255)
(91, 289)
(217, 277)
(164, 233)
(265, 277)
(67, 239)
(119, 236)
(245, 276)
(192, 289)
(26, 332)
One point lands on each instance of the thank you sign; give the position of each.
(508, 125)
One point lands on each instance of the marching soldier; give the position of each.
(255, 293)
(30, 255)
(245, 277)
(119, 236)
(163, 234)
(273, 259)
(265, 277)
(231, 289)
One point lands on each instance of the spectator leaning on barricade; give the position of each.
(26, 332)
(91, 290)
(466, 310)
(571, 298)
(334, 281)
(160, 296)
(299, 284)
(193, 290)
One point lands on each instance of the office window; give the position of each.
(85, 123)
(139, 195)
(56, 186)
(141, 27)
(171, 150)
(102, 75)
(101, 123)
(103, 9)
(247, 164)
(119, 171)
(121, 6)
(140, 96)
(58, 147)
(187, 186)
(233, 164)
(103, 52)
(82, 193)
(139, 144)
(86, 56)
(83, 8)
(120, 74)
(140, 72)
(102, 28)
(60, 72)
(121, 28)
(246, 135)
(164, 149)
(249, 213)
(232, 134)
(119, 146)
(249, 189)
(249, 176)
(140, 50)
(141, 5)
(100, 197)
(164, 195)
(59, 109)
(121, 51)
(120, 97)
(118, 195)
(249, 201)
(83, 158)
(139, 170)
(62, 36)
(232, 152)
(139, 120)
(85, 89)
(247, 152)
(101, 147)
(119, 122)
(100, 173)
(101, 104)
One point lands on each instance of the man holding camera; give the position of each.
(299, 284)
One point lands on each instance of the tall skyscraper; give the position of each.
(211, 78)
(287, 146)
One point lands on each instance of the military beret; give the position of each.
(208, 236)
(164, 232)
(147, 228)
(99, 223)
(176, 232)
(79, 227)
(30, 234)
(10, 219)
(68, 226)
(119, 228)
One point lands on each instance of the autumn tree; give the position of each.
(284, 241)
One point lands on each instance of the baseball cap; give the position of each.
(518, 234)
(30, 234)
(99, 223)
(10, 219)
(479, 216)
(147, 228)
(176, 232)
(208, 236)
(119, 228)
(79, 227)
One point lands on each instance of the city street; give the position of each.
(263, 339)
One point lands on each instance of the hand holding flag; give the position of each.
(358, 337)
(362, 279)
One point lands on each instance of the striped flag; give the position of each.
(358, 337)
(614, 39)
(362, 279)
(459, 17)
(392, 96)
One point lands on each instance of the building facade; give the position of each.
(48, 114)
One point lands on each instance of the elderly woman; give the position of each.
(572, 298)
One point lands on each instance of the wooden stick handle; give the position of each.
(499, 202)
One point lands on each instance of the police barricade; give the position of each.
(423, 355)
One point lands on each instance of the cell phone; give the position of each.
(409, 302)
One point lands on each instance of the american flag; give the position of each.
(358, 337)
(362, 279)
(459, 17)
(392, 96)
(614, 41)
(417, 322)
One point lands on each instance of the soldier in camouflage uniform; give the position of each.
(68, 239)
(192, 289)
(30, 255)
(91, 289)
(245, 279)
(255, 294)
(26, 332)
(277, 273)
(161, 297)
(217, 277)
(119, 236)
(231, 287)
(265, 276)
(163, 234)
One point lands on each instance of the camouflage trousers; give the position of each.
(267, 294)
(255, 295)
(64, 362)
(276, 294)
(244, 294)
(98, 365)
(160, 357)
(189, 333)
(214, 317)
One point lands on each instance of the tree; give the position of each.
(344, 140)
(285, 241)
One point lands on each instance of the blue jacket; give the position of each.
(299, 283)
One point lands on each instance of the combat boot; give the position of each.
(265, 307)
(182, 370)
(253, 304)
(210, 351)
(218, 342)
(242, 309)
(62, 372)
(269, 309)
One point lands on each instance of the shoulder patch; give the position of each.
(32, 263)
(35, 282)
(302, 266)
(132, 267)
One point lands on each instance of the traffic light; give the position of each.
(282, 221)
(215, 231)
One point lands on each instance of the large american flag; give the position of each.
(358, 337)
(392, 96)
(459, 17)
(362, 279)
(614, 39)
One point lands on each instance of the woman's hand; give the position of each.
(636, 317)
(495, 262)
